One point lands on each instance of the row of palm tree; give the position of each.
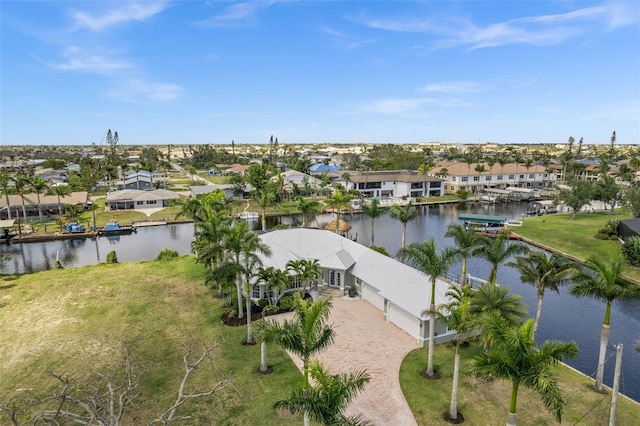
(510, 350)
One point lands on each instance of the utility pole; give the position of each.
(616, 385)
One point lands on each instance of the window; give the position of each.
(334, 279)
(139, 203)
(500, 177)
(151, 202)
(476, 178)
(512, 177)
(521, 176)
(532, 175)
(417, 185)
(453, 178)
(436, 184)
(487, 177)
(465, 178)
(453, 188)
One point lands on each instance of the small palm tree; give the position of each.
(373, 211)
(6, 188)
(515, 357)
(466, 240)
(602, 279)
(307, 207)
(497, 300)
(340, 200)
(40, 186)
(457, 317)
(306, 334)
(424, 257)
(60, 191)
(545, 273)
(403, 214)
(497, 250)
(328, 398)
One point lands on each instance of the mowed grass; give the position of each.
(73, 321)
(574, 237)
(486, 403)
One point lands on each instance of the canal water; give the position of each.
(564, 317)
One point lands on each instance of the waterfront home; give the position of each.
(468, 177)
(400, 292)
(395, 183)
(227, 189)
(133, 199)
(142, 180)
(48, 203)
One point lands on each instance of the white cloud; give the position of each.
(451, 87)
(77, 59)
(236, 14)
(124, 12)
(135, 90)
(531, 30)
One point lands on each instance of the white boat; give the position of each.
(249, 215)
(486, 198)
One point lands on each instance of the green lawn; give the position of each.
(574, 237)
(485, 403)
(72, 321)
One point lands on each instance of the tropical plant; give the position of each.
(466, 241)
(515, 357)
(425, 257)
(340, 200)
(373, 211)
(328, 398)
(497, 250)
(40, 186)
(112, 257)
(493, 299)
(6, 188)
(265, 198)
(457, 317)
(60, 191)
(403, 214)
(631, 250)
(307, 207)
(544, 273)
(306, 334)
(601, 279)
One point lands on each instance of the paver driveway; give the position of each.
(365, 340)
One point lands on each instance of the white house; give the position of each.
(396, 184)
(133, 199)
(295, 177)
(400, 292)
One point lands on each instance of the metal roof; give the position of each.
(469, 217)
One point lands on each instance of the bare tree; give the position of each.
(105, 399)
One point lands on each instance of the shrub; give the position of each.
(631, 251)
(167, 254)
(286, 303)
(112, 257)
(380, 250)
(610, 231)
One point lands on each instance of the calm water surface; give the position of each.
(564, 317)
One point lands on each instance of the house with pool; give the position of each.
(400, 292)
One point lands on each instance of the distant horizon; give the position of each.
(319, 72)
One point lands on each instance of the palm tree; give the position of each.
(515, 357)
(338, 201)
(310, 270)
(457, 317)
(373, 211)
(5, 179)
(497, 300)
(545, 273)
(296, 267)
(265, 198)
(466, 241)
(404, 214)
(497, 250)
(40, 186)
(328, 398)
(307, 207)
(191, 170)
(424, 257)
(602, 279)
(306, 334)
(60, 191)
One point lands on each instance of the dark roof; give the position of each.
(633, 224)
(393, 176)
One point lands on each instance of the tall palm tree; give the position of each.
(265, 198)
(373, 211)
(466, 241)
(19, 183)
(497, 300)
(307, 207)
(403, 214)
(306, 334)
(545, 273)
(515, 357)
(40, 186)
(425, 257)
(6, 188)
(328, 398)
(457, 317)
(310, 270)
(59, 191)
(340, 200)
(497, 250)
(602, 280)
(296, 267)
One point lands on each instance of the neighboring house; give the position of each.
(321, 168)
(236, 168)
(142, 180)
(396, 184)
(133, 199)
(461, 175)
(292, 177)
(49, 203)
(205, 189)
(400, 292)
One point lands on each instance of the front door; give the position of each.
(334, 279)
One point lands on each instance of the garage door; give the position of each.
(404, 320)
(371, 295)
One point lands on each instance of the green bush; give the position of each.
(112, 257)
(610, 231)
(167, 254)
(631, 251)
(286, 303)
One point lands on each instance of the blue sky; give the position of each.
(319, 72)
